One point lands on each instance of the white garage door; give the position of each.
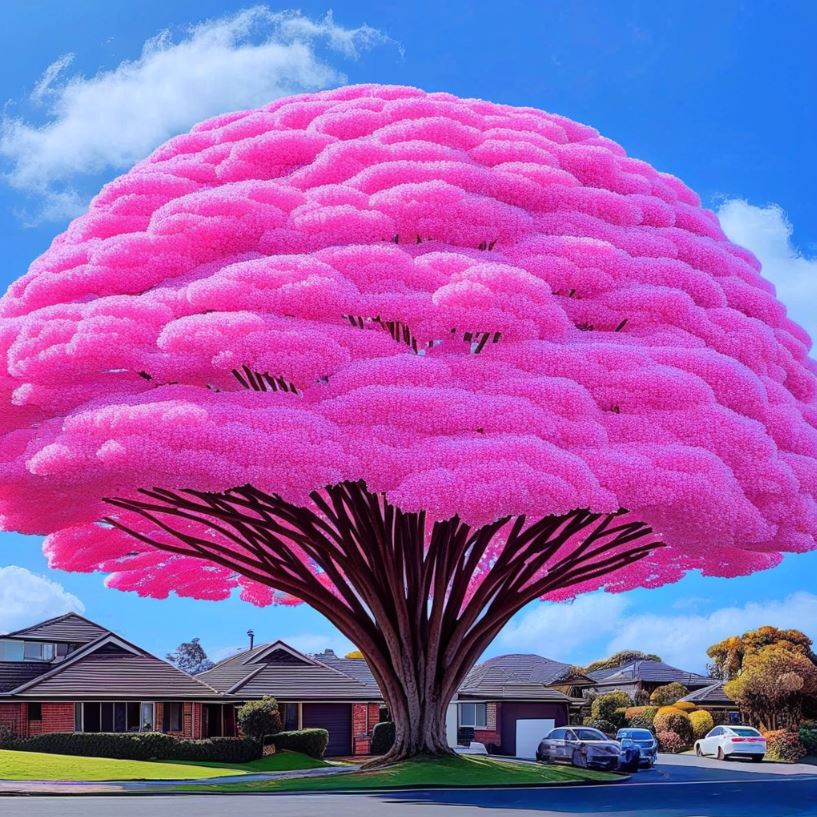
(529, 733)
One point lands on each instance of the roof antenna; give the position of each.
(251, 634)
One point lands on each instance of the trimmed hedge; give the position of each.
(686, 706)
(601, 724)
(701, 723)
(670, 719)
(140, 746)
(785, 746)
(670, 742)
(312, 742)
(668, 694)
(382, 738)
(610, 706)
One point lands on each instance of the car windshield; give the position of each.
(745, 731)
(590, 734)
(635, 734)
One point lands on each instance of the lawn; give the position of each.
(42, 766)
(451, 771)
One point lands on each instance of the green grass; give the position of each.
(42, 766)
(450, 771)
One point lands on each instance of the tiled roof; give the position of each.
(356, 668)
(514, 692)
(71, 628)
(15, 673)
(524, 668)
(644, 669)
(713, 694)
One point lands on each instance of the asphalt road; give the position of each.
(678, 787)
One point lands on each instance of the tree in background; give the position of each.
(190, 657)
(668, 694)
(258, 719)
(620, 658)
(728, 655)
(413, 360)
(354, 655)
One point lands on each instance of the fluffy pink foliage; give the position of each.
(573, 330)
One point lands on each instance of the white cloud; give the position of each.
(116, 117)
(558, 630)
(26, 598)
(767, 233)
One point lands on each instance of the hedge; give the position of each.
(808, 737)
(610, 706)
(140, 746)
(312, 742)
(668, 694)
(783, 745)
(701, 723)
(670, 742)
(601, 724)
(686, 706)
(382, 738)
(670, 719)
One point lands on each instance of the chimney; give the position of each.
(251, 634)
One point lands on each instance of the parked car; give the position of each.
(581, 746)
(732, 741)
(641, 739)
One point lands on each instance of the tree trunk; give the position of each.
(421, 600)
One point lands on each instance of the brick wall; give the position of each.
(187, 720)
(12, 717)
(491, 733)
(364, 718)
(196, 716)
(57, 717)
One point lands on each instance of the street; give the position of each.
(679, 786)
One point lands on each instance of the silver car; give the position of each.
(581, 746)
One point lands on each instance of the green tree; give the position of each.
(610, 706)
(668, 694)
(260, 718)
(190, 657)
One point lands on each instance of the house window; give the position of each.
(475, 715)
(35, 712)
(114, 716)
(289, 716)
(38, 651)
(172, 717)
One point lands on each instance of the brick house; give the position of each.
(69, 674)
(512, 700)
(323, 690)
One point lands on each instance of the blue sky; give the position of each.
(720, 94)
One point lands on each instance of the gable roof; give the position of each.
(71, 627)
(514, 669)
(357, 668)
(646, 669)
(269, 669)
(15, 673)
(713, 694)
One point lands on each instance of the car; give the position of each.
(732, 741)
(641, 739)
(581, 746)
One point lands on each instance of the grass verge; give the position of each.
(419, 772)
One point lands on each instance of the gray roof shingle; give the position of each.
(516, 668)
(16, 673)
(713, 694)
(645, 669)
(71, 628)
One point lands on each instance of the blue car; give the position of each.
(641, 739)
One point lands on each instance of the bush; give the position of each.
(610, 706)
(312, 742)
(785, 746)
(670, 719)
(701, 722)
(7, 737)
(685, 706)
(382, 738)
(641, 698)
(808, 737)
(670, 742)
(668, 694)
(641, 722)
(141, 746)
(602, 725)
(258, 719)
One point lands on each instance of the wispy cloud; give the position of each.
(26, 598)
(767, 232)
(103, 123)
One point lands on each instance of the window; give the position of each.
(114, 716)
(11, 650)
(35, 712)
(172, 717)
(147, 721)
(289, 716)
(475, 715)
(38, 651)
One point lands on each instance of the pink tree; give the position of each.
(413, 360)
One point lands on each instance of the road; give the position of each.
(677, 787)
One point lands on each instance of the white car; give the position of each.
(732, 741)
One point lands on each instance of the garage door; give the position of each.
(337, 719)
(510, 713)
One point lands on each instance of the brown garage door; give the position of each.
(511, 712)
(337, 718)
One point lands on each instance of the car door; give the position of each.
(709, 745)
(570, 743)
(555, 743)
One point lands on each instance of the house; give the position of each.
(644, 675)
(713, 699)
(69, 674)
(511, 701)
(325, 691)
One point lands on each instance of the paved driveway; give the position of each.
(679, 786)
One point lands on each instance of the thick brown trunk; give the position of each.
(422, 602)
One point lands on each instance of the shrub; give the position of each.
(382, 738)
(141, 746)
(641, 722)
(701, 722)
(685, 706)
(633, 712)
(606, 707)
(670, 719)
(7, 737)
(258, 719)
(602, 725)
(670, 742)
(668, 694)
(641, 698)
(312, 742)
(808, 737)
(785, 746)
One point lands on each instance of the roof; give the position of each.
(713, 694)
(516, 668)
(514, 692)
(357, 668)
(15, 673)
(646, 669)
(279, 670)
(71, 628)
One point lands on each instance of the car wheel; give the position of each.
(698, 750)
(579, 759)
(757, 758)
(721, 755)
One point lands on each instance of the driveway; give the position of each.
(679, 786)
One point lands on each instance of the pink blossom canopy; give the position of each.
(477, 309)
